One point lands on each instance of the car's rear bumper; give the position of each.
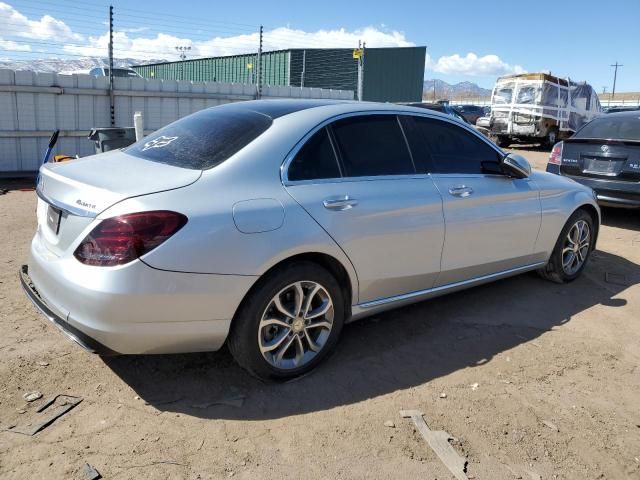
(86, 342)
(612, 193)
(133, 309)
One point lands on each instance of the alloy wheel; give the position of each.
(296, 325)
(576, 247)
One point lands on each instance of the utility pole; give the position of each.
(182, 50)
(615, 76)
(304, 66)
(358, 54)
(259, 67)
(434, 90)
(111, 98)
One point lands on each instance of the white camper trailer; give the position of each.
(539, 108)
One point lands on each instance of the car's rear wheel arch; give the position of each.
(260, 311)
(595, 217)
(329, 263)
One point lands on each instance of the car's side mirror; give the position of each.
(516, 165)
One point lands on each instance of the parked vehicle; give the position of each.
(539, 108)
(604, 155)
(620, 109)
(269, 224)
(471, 113)
(117, 72)
(442, 107)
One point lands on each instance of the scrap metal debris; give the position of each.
(439, 443)
(551, 425)
(89, 472)
(61, 405)
(32, 396)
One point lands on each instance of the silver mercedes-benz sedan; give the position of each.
(269, 224)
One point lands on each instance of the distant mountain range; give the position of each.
(444, 90)
(76, 65)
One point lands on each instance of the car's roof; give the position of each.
(275, 108)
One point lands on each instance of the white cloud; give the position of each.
(140, 44)
(163, 45)
(16, 24)
(14, 46)
(472, 65)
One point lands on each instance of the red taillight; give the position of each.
(556, 154)
(119, 240)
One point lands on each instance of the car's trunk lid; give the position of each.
(73, 193)
(603, 159)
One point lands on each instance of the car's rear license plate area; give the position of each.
(600, 166)
(53, 219)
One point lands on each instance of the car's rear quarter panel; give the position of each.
(559, 198)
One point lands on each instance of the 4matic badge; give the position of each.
(159, 142)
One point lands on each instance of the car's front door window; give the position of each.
(452, 149)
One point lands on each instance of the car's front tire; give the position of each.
(289, 322)
(572, 249)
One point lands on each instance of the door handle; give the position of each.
(343, 203)
(460, 191)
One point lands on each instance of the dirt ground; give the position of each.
(534, 380)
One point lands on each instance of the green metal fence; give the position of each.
(389, 74)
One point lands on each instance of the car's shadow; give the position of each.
(392, 351)
(627, 218)
(17, 184)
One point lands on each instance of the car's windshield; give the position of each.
(624, 127)
(528, 94)
(503, 94)
(204, 139)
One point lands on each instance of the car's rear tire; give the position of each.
(289, 322)
(572, 249)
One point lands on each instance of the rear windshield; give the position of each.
(202, 140)
(625, 127)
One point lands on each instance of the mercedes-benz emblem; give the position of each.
(604, 148)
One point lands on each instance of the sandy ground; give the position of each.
(556, 368)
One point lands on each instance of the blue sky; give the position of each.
(466, 40)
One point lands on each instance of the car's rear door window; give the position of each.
(315, 160)
(204, 139)
(448, 147)
(372, 145)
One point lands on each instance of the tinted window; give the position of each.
(450, 148)
(315, 159)
(624, 127)
(372, 145)
(202, 140)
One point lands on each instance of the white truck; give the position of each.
(539, 108)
